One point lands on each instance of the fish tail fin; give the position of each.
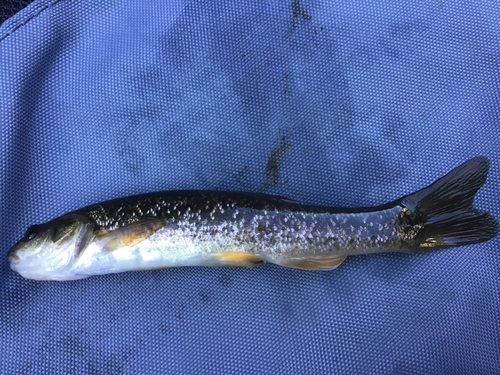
(446, 208)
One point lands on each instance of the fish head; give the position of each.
(48, 251)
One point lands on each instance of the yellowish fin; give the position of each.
(129, 235)
(233, 259)
(315, 263)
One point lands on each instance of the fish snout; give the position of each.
(12, 255)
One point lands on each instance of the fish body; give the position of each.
(210, 228)
(188, 228)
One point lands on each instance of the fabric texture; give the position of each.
(350, 103)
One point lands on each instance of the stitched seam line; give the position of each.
(28, 20)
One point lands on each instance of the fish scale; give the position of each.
(268, 225)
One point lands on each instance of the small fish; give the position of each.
(210, 228)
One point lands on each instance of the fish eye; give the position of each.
(31, 232)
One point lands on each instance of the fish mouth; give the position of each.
(12, 256)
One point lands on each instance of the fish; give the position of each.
(241, 229)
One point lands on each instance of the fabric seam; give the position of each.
(25, 22)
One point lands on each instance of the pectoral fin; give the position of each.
(233, 259)
(317, 262)
(129, 235)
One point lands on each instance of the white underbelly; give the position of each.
(156, 252)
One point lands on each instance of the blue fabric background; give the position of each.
(341, 103)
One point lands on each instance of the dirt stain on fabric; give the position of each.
(298, 14)
(287, 89)
(275, 160)
(225, 280)
(204, 297)
(241, 174)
